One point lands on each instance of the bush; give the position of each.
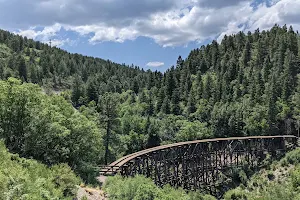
(141, 188)
(235, 194)
(48, 128)
(132, 188)
(270, 175)
(27, 179)
(292, 158)
(295, 175)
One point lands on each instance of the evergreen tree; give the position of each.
(259, 87)
(246, 54)
(108, 108)
(271, 105)
(170, 82)
(77, 91)
(288, 84)
(160, 99)
(165, 108)
(150, 110)
(142, 97)
(135, 87)
(132, 98)
(188, 85)
(175, 107)
(1, 70)
(22, 68)
(207, 87)
(92, 90)
(153, 139)
(191, 105)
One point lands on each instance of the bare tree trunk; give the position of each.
(107, 142)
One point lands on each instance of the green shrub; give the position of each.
(295, 175)
(27, 179)
(292, 158)
(48, 128)
(270, 175)
(235, 194)
(141, 188)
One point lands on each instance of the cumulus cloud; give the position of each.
(43, 35)
(46, 34)
(281, 12)
(168, 22)
(63, 42)
(155, 64)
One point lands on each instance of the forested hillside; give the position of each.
(248, 84)
(245, 85)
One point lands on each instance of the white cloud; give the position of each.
(167, 22)
(155, 64)
(44, 35)
(60, 43)
(281, 12)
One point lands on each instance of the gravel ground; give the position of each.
(92, 193)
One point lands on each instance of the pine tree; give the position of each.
(207, 87)
(296, 106)
(259, 87)
(199, 86)
(135, 86)
(266, 69)
(246, 54)
(226, 87)
(1, 70)
(292, 41)
(170, 82)
(27, 52)
(160, 99)
(22, 68)
(92, 90)
(165, 108)
(179, 63)
(132, 98)
(150, 110)
(77, 91)
(151, 80)
(142, 97)
(271, 105)
(175, 107)
(183, 78)
(287, 86)
(108, 108)
(188, 86)
(153, 139)
(34, 77)
(191, 105)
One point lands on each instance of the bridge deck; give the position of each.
(115, 166)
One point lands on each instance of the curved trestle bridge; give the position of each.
(201, 164)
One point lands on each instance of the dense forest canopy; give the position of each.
(248, 84)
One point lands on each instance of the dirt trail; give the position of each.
(92, 193)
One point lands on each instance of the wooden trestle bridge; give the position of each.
(201, 164)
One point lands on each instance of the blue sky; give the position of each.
(147, 33)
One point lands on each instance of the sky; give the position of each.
(147, 33)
